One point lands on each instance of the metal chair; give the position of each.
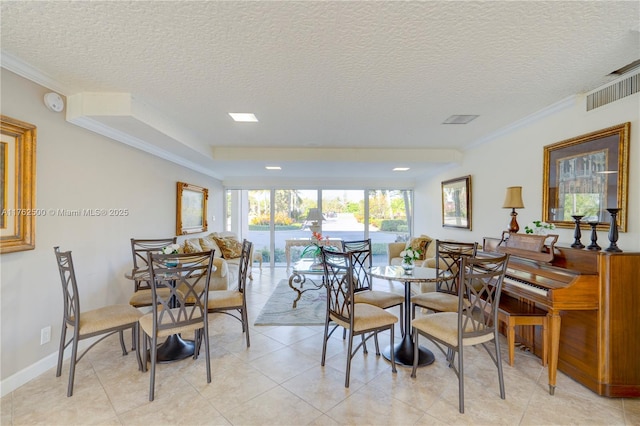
(474, 323)
(140, 248)
(103, 321)
(357, 318)
(445, 298)
(171, 314)
(234, 302)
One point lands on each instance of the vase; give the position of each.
(408, 267)
(613, 231)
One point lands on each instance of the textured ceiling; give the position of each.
(326, 75)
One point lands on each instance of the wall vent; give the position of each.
(614, 92)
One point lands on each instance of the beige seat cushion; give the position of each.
(437, 301)
(225, 299)
(444, 326)
(381, 299)
(144, 297)
(101, 319)
(368, 317)
(146, 323)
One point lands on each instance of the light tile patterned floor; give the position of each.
(279, 381)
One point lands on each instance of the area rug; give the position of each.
(311, 308)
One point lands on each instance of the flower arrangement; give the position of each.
(171, 249)
(317, 241)
(410, 255)
(538, 227)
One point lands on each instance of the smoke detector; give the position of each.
(54, 102)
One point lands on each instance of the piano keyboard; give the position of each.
(527, 286)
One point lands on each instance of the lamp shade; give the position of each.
(315, 215)
(513, 199)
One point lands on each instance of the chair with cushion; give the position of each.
(140, 248)
(363, 291)
(102, 322)
(171, 314)
(234, 302)
(357, 318)
(474, 323)
(445, 296)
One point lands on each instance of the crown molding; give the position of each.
(18, 66)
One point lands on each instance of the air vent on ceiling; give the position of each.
(614, 92)
(460, 119)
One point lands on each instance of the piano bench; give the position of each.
(514, 312)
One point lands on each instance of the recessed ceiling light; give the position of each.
(460, 119)
(273, 167)
(401, 169)
(245, 117)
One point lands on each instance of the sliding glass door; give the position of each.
(280, 222)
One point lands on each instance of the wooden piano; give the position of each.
(593, 304)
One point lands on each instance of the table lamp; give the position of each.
(316, 218)
(513, 200)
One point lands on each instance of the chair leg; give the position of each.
(152, 376)
(460, 380)
(134, 336)
(245, 323)
(364, 342)
(122, 345)
(63, 336)
(346, 380)
(499, 365)
(416, 354)
(324, 341)
(205, 337)
(393, 356)
(375, 340)
(74, 357)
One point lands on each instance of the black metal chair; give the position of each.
(187, 276)
(103, 321)
(357, 318)
(445, 298)
(234, 302)
(474, 323)
(140, 248)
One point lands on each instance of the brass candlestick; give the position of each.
(613, 231)
(577, 234)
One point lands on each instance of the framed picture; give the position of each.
(586, 175)
(456, 203)
(17, 185)
(191, 212)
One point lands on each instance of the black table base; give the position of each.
(174, 349)
(403, 353)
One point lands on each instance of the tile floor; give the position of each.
(279, 381)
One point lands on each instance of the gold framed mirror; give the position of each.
(17, 186)
(191, 211)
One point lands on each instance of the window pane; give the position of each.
(390, 220)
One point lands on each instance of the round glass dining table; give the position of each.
(403, 351)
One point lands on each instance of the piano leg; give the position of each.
(554, 336)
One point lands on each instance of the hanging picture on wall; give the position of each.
(456, 203)
(17, 185)
(191, 212)
(585, 176)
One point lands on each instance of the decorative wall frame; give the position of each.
(17, 185)
(586, 175)
(191, 211)
(456, 203)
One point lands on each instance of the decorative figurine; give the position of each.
(577, 234)
(613, 231)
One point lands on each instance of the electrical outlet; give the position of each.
(45, 335)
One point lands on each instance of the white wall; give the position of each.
(77, 169)
(515, 159)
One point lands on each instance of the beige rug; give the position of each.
(311, 308)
